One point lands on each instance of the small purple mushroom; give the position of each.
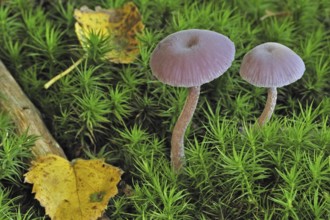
(271, 65)
(190, 58)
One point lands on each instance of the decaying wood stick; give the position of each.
(25, 115)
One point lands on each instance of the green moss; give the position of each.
(122, 113)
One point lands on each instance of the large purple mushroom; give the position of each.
(271, 65)
(190, 58)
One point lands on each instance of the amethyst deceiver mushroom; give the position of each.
(271, 65)
(190, 58)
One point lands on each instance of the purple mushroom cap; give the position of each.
(192, 57)
(271, 65)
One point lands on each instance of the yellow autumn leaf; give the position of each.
(77, 190)
(120, 26)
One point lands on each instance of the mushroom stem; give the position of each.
(177, 142)
(269, 108)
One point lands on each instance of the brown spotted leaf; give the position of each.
(120, 25)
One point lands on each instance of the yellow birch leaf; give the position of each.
(77, 190)
(119, 25)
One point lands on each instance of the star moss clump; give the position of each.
(122, 113)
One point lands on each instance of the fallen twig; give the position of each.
(25, 115)
(269, 13)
